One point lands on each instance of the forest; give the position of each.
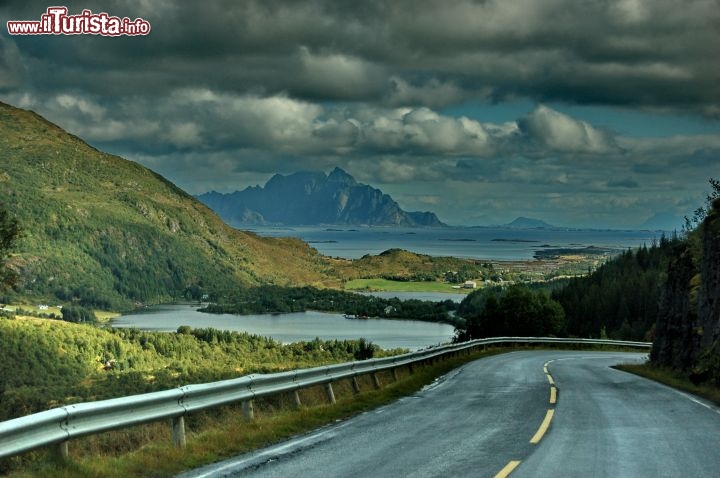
(619, 300)
(272, 299)
(47, 363)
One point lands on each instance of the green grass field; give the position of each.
(398, 286)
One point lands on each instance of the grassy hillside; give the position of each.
(404, 265)
(50, 362)
(104, 231)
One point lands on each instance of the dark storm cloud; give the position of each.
(659, 54)
(10, 65)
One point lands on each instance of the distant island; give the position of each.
(529, 223)
(522, 223)
(514, 240)
(311, 199)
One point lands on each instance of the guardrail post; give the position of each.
(395, 375)
(62, 450)
(329, 392)
(296, 396)
(177, 424)
(411, 368)
(376, 380)
(355, 385)
(248, 409)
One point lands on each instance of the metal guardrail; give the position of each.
(59, 425)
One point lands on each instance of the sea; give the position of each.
(492, 243)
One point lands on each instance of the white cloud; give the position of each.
(424, 131)
(554, 131)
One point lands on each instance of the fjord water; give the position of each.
(297, 327)
(492, 243)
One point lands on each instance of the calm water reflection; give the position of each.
(296, 327)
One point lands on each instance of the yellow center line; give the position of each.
(545, 369)
(505, 472)
(553, 395)
(543, 427)
(550, 379)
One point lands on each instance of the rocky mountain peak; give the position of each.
(313, 198)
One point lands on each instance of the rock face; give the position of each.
(688, 328)
(676, 336)
(709, 294)
(312, 198)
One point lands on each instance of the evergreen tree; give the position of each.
(516, 311)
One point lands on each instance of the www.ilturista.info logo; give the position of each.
(57, 22)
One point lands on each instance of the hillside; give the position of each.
(103, 231)
(74, 363)
(313, 198)
(688, 327)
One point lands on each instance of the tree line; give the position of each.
(619, 300)
(272, 299)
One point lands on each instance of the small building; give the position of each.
(469, 284)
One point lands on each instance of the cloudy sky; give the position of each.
(601, 113)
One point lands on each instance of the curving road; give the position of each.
(522, 414)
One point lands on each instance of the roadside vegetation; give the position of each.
(49, 363)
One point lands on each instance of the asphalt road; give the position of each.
(499, 416)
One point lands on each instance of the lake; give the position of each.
(296, 327)
(493, 243)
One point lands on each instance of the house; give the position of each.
(469, 284)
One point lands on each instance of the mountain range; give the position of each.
(314, 198)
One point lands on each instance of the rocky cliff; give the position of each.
(688, 327)
(312, 198)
